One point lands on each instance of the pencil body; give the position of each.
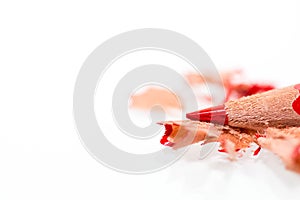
(274, 108)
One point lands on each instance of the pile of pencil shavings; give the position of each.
(269, 119)
(284, 142)
(253, 113)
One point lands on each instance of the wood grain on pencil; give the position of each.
(275, 108)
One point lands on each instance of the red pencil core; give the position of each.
(296, 103)
(215, 114)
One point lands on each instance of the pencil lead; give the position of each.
(216, 114)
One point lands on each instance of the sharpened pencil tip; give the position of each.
(215, 114)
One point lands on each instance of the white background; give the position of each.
(42, 47)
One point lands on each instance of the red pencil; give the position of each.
(274, 108)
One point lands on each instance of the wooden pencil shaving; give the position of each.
(182, 133)
(284, 142)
